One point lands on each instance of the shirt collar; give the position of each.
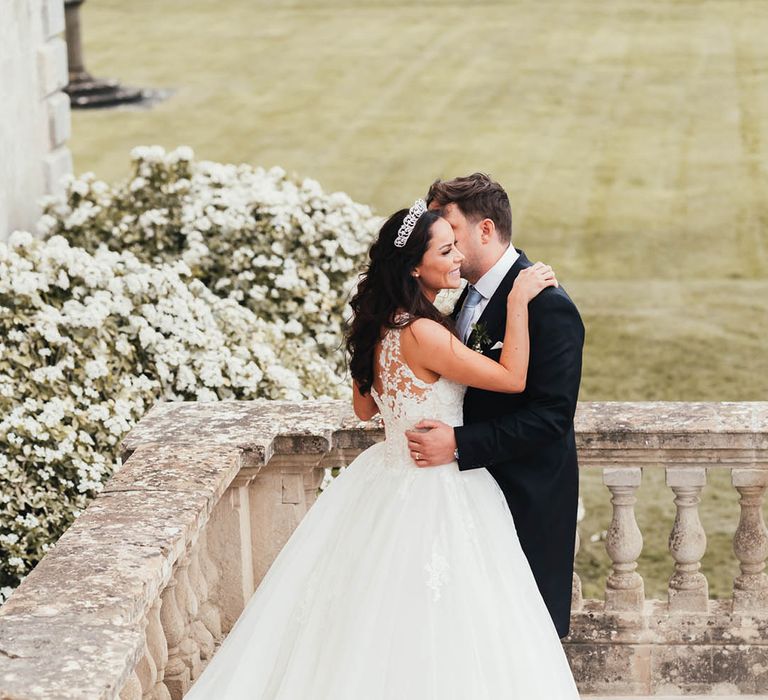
(490, 281)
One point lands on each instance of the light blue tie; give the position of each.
(467, 310)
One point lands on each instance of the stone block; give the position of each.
(594, 623)
(685, 668)
(695, 600)
(745, 601)
(622, 476)
(173, 468)
(113, 561)
(52, 66)
(605, 668)
(686, 476)
(259, 428)
(742, 667)
(628, 432)
(55, 165)
(705, 669)
(230, 552)
(53, 18)
(73, 659)
(742, 478)
(625, 599)
(691, 652)
(273, 517)
(59, 119)
(716, 627)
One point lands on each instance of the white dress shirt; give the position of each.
(490, 281)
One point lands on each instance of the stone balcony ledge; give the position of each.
(134, 597)
(648, 431)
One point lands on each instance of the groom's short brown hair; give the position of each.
(478, 197)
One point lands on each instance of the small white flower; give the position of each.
(95, 369)
(138, 183)
(45, 224)
(180, 153)
(20, 239)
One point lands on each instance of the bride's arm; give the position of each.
(364, 406)
(437, 349)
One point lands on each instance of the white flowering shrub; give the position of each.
(88, 343)
(279, 246)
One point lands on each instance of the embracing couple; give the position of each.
(439, 564)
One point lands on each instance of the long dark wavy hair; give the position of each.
(385, 286)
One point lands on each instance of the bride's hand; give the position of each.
(531, 281)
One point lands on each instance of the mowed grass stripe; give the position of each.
(750, 70)
(647, 90)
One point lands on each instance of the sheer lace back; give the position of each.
(405, 399)
(398, 380)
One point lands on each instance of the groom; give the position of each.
(526, 441)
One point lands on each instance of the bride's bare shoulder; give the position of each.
(427, 332)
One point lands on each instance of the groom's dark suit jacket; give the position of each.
(526, 441)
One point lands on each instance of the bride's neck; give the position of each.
(430, 294)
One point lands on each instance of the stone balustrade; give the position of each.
(135, 596)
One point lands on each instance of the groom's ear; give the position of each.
(487, 230)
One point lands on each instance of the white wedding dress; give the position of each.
(400, 583)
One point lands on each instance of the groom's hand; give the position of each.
(433, 446)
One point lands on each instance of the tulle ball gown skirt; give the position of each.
(400, 583)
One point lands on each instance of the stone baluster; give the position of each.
(187, 602)
(688, 589)
(576, 596)
(624, 542)
(132, 688)
(177, 676)
(750, 543)
(209, 611)
(157, 650)
(199, 590)
(146, 669)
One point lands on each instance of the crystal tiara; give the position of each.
(409, 222)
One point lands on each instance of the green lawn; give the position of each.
(631, 135)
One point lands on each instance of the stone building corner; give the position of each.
(35, 122)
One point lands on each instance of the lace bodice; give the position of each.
(405, 399)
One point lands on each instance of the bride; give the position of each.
(401, 582)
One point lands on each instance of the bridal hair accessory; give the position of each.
(409, 222)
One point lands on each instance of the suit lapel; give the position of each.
(495, 311)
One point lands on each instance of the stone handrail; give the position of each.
(135, 596)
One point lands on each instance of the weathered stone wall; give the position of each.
(34, 112)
